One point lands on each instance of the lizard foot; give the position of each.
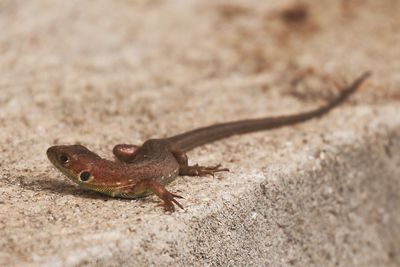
(169, 200)
(197, 170)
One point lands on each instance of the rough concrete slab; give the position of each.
(324, 193)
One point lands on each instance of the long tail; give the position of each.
(189, 140)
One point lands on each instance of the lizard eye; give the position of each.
(85, 176)
(64, 159)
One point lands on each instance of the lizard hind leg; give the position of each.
(195, 170)
(124, 152)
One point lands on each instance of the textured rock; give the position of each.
(323, 193)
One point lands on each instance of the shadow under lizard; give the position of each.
(142, 170)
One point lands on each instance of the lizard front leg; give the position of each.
(160, 191)
(125, 153)
(194, 170)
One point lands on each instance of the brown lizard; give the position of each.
(142, 170)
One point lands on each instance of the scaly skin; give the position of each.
(146, 169)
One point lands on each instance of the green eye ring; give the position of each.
(85, 176)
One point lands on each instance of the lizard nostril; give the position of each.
(63, 158)
(85, 176)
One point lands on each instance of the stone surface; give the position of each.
(323, 193)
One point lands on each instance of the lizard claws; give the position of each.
(169, 200)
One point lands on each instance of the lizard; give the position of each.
(139, 171)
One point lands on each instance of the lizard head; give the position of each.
(75, 161)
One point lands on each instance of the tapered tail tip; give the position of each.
(354, 86)
(364, 76)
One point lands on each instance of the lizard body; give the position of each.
(142, 170)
